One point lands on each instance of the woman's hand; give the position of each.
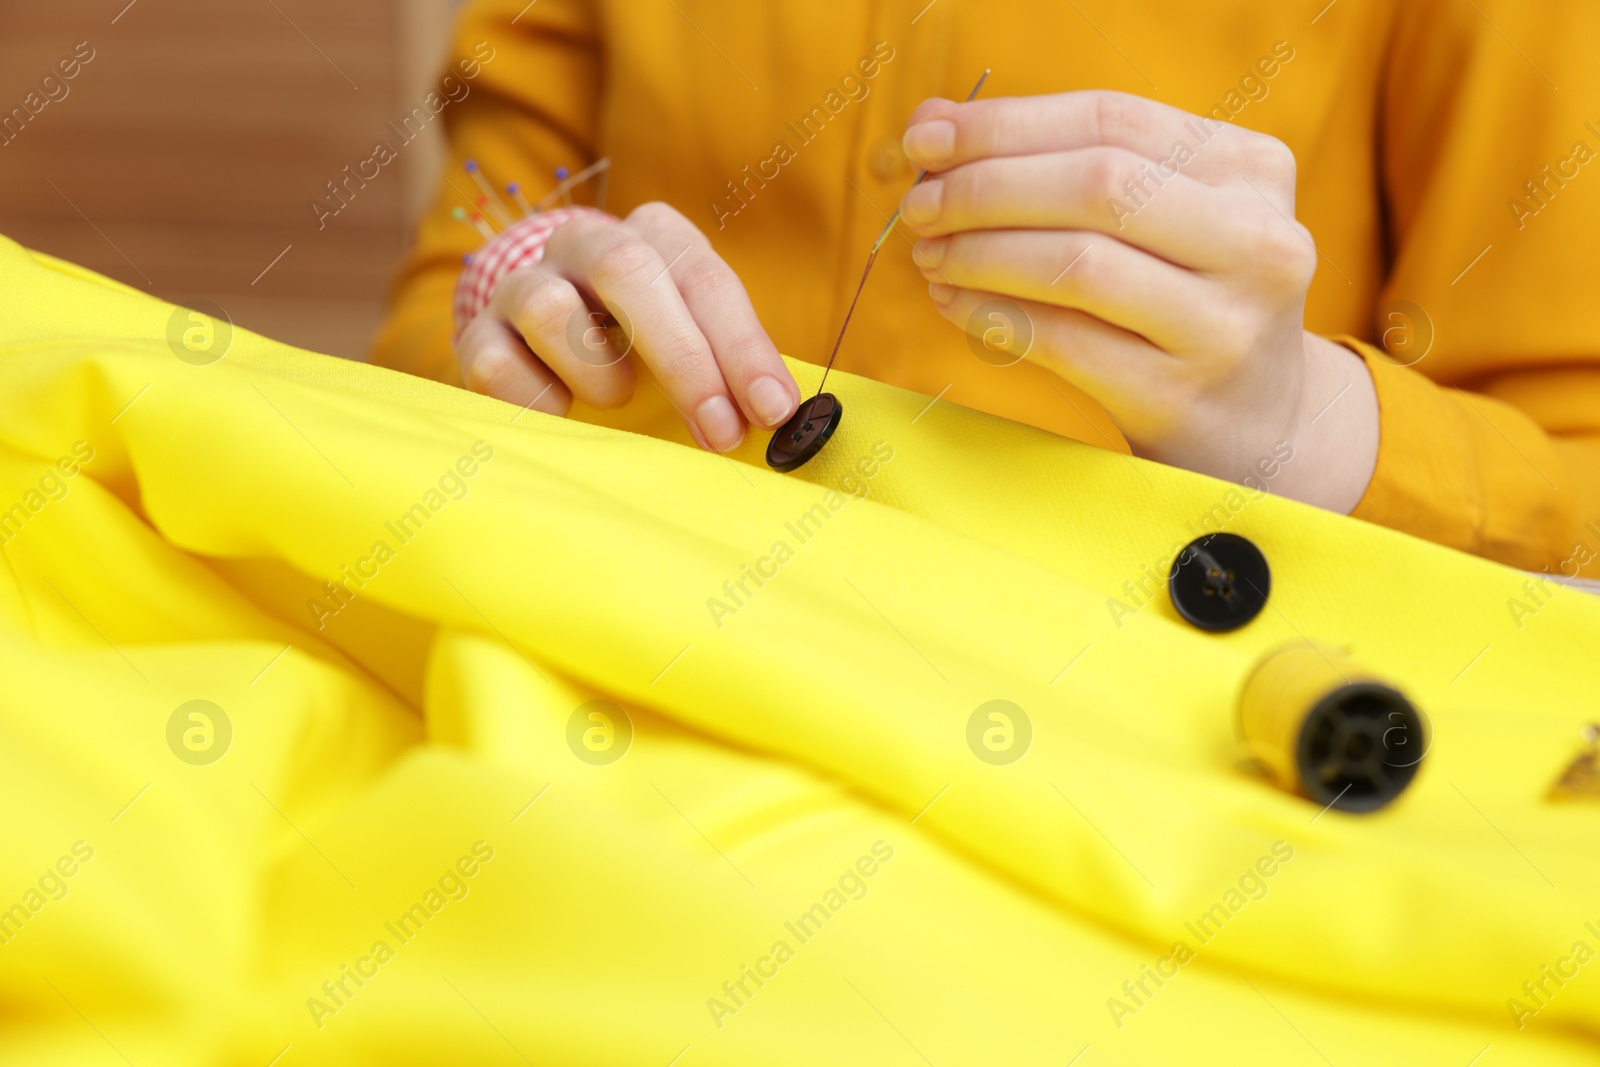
(551, 330)
(1157, 257)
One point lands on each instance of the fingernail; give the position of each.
(921, 205)
(720, 424)
(771, 401)
(929, 252)
(931, 142)
(942, 294)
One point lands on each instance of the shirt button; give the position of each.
(888, 160)
(1219, 582)
(805, 433)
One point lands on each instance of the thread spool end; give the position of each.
(1328, 730)
(1359, 747)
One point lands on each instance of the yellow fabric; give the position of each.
(179, 520)
(1417, 126)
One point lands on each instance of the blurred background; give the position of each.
(183, 157)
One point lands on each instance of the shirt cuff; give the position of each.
(1459, 470)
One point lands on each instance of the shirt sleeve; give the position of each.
(1490, 403)
(532, 107)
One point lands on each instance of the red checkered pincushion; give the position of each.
(520, 245)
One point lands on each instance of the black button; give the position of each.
(1358, 749)
(804, 435)
(1220, 582)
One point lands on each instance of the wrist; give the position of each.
(1335, 430)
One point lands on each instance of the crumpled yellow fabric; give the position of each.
(399, 830)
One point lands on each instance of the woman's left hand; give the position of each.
(1156, 256)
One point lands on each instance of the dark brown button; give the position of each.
(803, 436)
(1219, 582)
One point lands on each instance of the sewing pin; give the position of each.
(488, 192)
(474, 220)
(572, 181)
(515, 191)
(604, 167)
(484, 208)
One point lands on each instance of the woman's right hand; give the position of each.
(544, 339)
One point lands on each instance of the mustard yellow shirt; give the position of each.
(1446, 169)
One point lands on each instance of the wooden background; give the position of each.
(184, 156)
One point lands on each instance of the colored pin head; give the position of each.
(472, 165)
(561, 186)
(476, 221)
(514, 190)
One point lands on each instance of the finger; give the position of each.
(620, 270)
(495, 361)
(1103, 360)
(550, 314)
(1091, 272)
(943, 134)
(1106, 189)
(756, 375)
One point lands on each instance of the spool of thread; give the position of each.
(1328, 729)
